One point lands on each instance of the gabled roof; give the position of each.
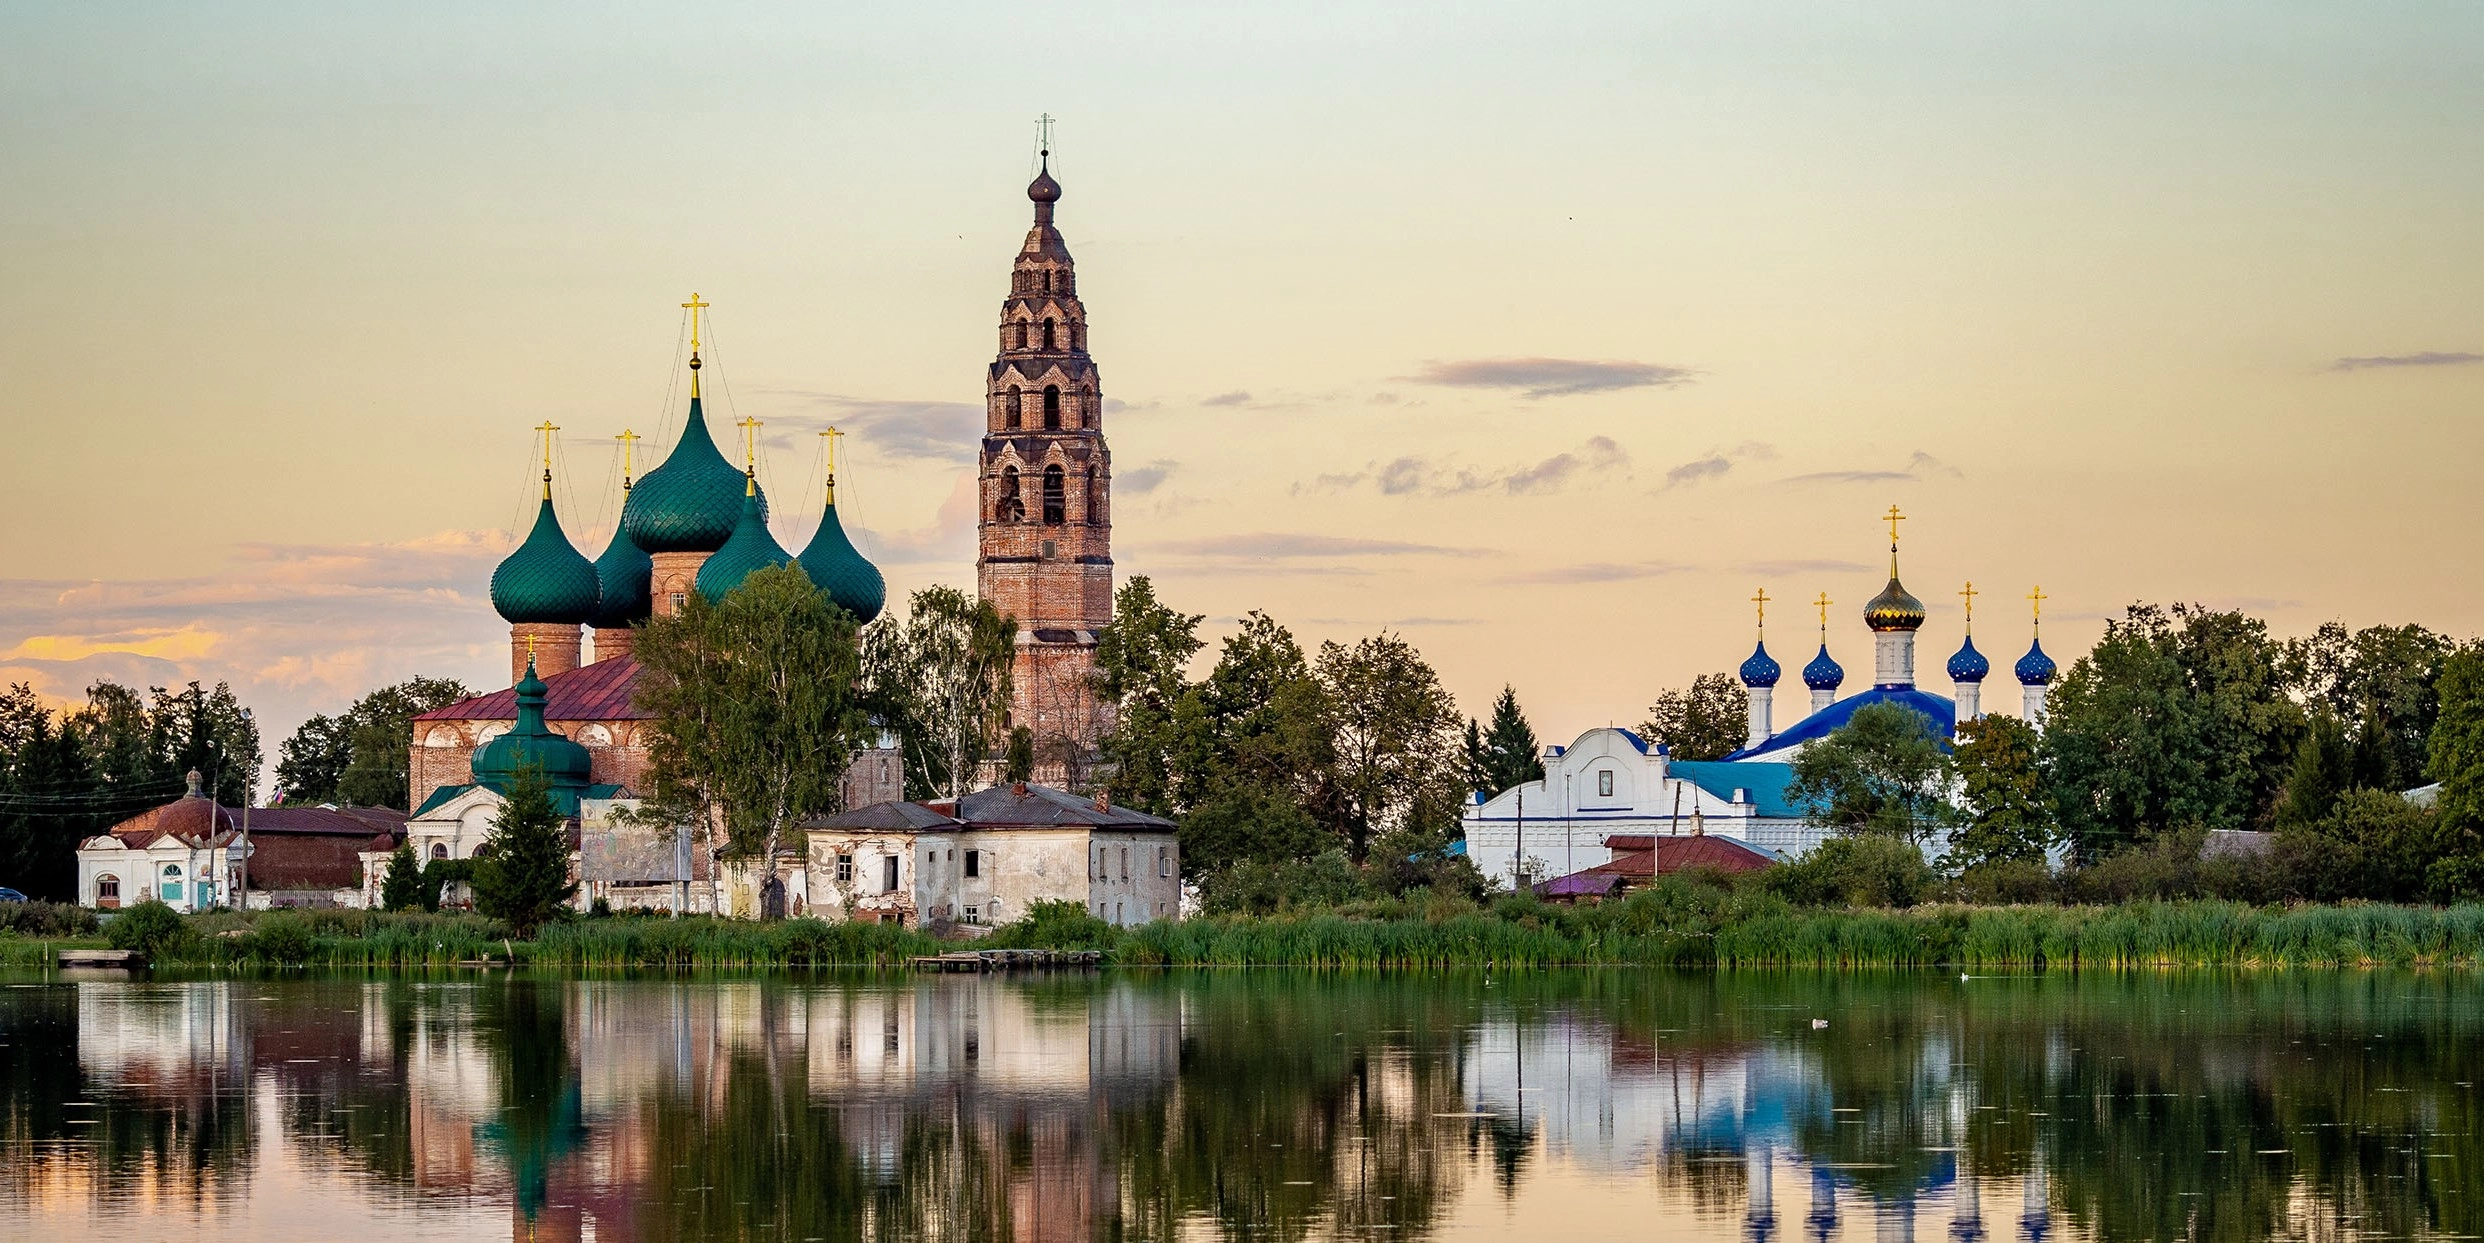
(602, 691)
(1647, 855)
(200, 821)
(1034, 806)
(1942, 711)
(892, 817)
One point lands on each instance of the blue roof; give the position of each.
(1942, 711)
(1764, 779)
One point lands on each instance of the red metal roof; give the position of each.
(603, 691)
(1640, 856)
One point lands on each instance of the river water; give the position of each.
(1244, 1104)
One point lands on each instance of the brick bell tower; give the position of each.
(1046, 532)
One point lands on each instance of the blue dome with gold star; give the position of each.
(1761, 670)
(1968, 665)
(2035, 668)
(1823, 674)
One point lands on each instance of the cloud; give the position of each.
(1141, 480)
(1551, 474)
(1716, 464)
(1918, 468)
(1550, 377)
(1822, 565)
(934, 431)
(1596, 572)
(1421, 476)
(1284, 544)
(1234, 398)
(948, 539)
(2428, 358)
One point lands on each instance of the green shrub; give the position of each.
(1056, 926)
(151, 928)
(2015, 882)
(280, 937)
(1323, 882)
(47, 919)
(1869, 869)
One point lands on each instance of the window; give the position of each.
(888, 874)
(681, 600)
(1054, 501)
(1047, 334)
(845, 869)
(171, 888)
(1095, 501)
(107, 890)
(1125, 863)
(974, 863)
(1052, 406)
(439, 850)
(1007, 507)
(1604, 784)
(1164, 861)
(974, 914)
(1117, 918)
(1017, 406)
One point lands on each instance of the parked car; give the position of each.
(10, 895)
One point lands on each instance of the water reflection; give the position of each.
(1245, 1105)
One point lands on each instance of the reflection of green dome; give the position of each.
(749, 550)
(546, 580)
(622, 578)
(832, 562)
(532, 744)
(690, 503)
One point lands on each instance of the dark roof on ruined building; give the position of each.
(603, 691)
(1034, 806)
(885, 817)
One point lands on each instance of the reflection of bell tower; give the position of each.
(1045, 528)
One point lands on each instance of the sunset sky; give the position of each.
(1545, 334)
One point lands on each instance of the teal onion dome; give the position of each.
(547, 580)
(1761, 670)
(1968, 665)
(1823, 674)
(692, 501)
(2035, 668)
(747, 551)
(833, 564)
(532, 744)
(624, 578)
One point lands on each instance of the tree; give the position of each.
(402, 888)
(1510, 754)
(207, 732)
(521, 876)
(1708, 720)
(2179, 718)
(1020, 765)
(1261, 719)
(2007, 812)
(1883, 771)
(941, 682)
(2380, 675)
(2323, 771)
(358, 757)
(1141, 659)
(1396, 738)
(2457, 744)
(1247, 824)
(313, 760)
(756, 707)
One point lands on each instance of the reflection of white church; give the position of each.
(1612, 782)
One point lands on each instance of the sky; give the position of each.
(1542, 334)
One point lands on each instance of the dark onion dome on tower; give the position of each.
(1823, 674)
(834, 565)
(2035, 668)
(1894, 608)
(547, 580)
(692, 502)
(532, 744)
(1044, 189)
(747, 551)
(1968, 665)
(1761, 670)
(623, 584)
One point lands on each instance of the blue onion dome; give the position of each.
(832, 563)
(532, 745)
(547, 580)
(1968, 665)
(1823, 674)
(1761, 670)
(623, 580)
(2035, 668)
(1893, 608)
(692, 501)
(747, 551)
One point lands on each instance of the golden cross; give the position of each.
(694, 306)
(2037, 597)
(1970, 593)
(1762, 601)
(547, 429)
(750, 442)
(629, 449)
(1894, 518)
(1043, 133)
(831, 436)
(1824, 602)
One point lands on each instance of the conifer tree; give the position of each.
(1509, 745)
(522, 877)
(402, 888)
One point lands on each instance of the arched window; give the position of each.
(1048, 334)
(1017, 404)
(1009, 507)
(1095, 501)
(170, 889)
(107, 890)
(1054, 503)
(1052, 407)
(439, 850)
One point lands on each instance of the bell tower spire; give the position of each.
(1045, 526)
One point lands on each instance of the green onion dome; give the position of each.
(833, 563)
(691, 502)
(624, 578)
(747, 551)
(563, 763)
(546, 580)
